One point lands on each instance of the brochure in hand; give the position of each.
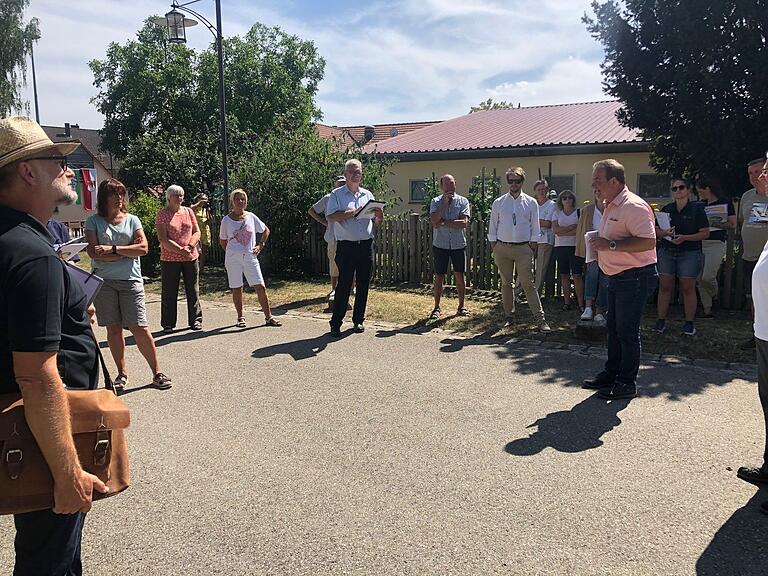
(366, 211)
(759, 213)
(664, 222)
(70, 249)
(717, 214)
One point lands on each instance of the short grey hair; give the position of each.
(173, 190)
(353, 162)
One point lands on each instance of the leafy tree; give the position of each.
(145, 207)
(485, 188)
(16, 40)
(491, 105)
(431, 190)
(692, 77)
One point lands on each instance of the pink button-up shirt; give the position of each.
(627, 216)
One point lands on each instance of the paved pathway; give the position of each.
(279, 451)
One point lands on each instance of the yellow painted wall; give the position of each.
(578, 165)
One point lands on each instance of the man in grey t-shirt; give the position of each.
(753, 216)
(449, 214)
(317, 212)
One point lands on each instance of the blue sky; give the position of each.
(386, 61)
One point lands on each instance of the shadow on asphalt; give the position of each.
(739, 546)
(423, 326)
(564, 368)
(300, 349)
(574, 430)
(187, 335)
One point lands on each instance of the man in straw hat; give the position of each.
(45, 342)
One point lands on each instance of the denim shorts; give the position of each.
(684, 264)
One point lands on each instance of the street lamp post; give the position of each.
(176, 24)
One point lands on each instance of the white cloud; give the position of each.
(386, 61)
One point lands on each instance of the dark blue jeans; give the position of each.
(628, 294)
(48, 543)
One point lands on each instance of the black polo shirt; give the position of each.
(41, 309)
(690, 220)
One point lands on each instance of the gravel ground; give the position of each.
(280, 451)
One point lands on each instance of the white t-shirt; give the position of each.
(563, 220)
(597, 217)
(546, 211)
(760, 296)
(241, 234)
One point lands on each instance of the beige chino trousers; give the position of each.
(714, 252)
(520, 256)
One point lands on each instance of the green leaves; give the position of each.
(16, 39)
(693, 79)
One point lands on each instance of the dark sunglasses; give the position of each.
(62, 160)
(679, 187)
(515, 180)
(569, 198)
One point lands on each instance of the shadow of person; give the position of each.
(299, 349)
(739, 546)
(423, 326)
(574, 430)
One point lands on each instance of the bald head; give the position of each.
(447, 184)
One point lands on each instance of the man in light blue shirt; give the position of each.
(449, 214)
(354, 246)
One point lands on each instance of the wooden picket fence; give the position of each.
(403, 254)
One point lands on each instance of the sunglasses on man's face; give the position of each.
(679, 187)
(515, 180)
(61, 159)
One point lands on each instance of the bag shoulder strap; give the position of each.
(108, 383)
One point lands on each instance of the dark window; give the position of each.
(653, 186)
(560, 183)
(417, 191)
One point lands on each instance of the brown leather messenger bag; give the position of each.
(99, 419)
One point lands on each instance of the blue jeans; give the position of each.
(628, 294)
(48, 543)
(595, 285)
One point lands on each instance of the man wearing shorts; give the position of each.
(449, 214)
(317, 212)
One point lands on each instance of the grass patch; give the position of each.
(717, 339)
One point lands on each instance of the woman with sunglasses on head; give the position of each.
(116, 240)
(722, 217)
(679, 253)
(565, 220)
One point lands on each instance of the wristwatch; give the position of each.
(114, 249)
(612, 245)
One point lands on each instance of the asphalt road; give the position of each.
(279, 451)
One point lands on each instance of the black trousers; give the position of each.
(355, 261)
(48, 543)
(762, 389)
(169, 274)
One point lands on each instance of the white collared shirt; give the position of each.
(514, 219)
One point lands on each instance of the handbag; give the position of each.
(98, 418)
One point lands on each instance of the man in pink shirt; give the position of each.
(626, 253)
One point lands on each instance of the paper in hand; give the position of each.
(367, 211)
(591, 255)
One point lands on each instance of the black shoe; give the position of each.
(598, 382)
(358, 328)
(753, 475)
(618, 392)
(335, 332)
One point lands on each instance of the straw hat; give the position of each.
(22, 137)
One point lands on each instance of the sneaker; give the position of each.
(462, 311)
(599, 320)
(588, 314)
(331, 295)
(161, 381)
(602, 380)
(618, 392)
(358, 328)
(120, 382)
(167, 330)
(335, 332)
(660, 326)
(435, 314)
(754, 475)
(544, 327)
(198, 325)
(689, 329)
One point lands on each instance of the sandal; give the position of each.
(463, 311)
(161, 381)
(240, 322)
(120, 382)
(272, 322)
(435, 314)
(198, 325)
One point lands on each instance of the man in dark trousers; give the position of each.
(354, 246)
(45, 339)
